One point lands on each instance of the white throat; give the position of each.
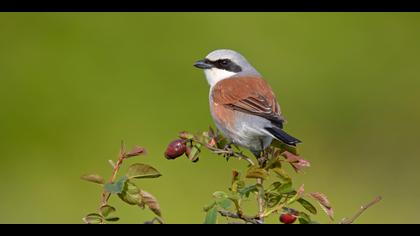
(215, 75)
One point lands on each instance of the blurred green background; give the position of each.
(74, 84)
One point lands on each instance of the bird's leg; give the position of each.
(228, 149)
(228, 146)
(262, 157)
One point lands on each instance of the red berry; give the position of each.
(287, 218)
(175, 149)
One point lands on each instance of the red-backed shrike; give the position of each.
(242, 103)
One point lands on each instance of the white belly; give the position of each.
(248, 132)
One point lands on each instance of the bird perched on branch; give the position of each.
(242, 103)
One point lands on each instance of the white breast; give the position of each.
(215, 75)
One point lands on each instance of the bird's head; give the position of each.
(224, 63)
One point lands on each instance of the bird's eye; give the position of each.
(224, 62)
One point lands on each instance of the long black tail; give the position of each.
(283, 136)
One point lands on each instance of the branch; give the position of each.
(229, 152)
(260, 196)
(122, 156)
(361, 210)
(247, 219)
(260, 200)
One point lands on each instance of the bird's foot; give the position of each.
(228, 150)
(262, 158)
(262, 161)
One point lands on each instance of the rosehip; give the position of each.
(287, 218)
(175, 149)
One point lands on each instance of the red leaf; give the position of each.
(135, 152)
(297, 162)
(186, 135)
(300, 191)
(212, 142)
(324, 203)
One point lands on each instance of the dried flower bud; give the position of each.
(186, 135)
(135, 152)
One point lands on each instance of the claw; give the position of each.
(229, 151)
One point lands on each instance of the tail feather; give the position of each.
(283, 136)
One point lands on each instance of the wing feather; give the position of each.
(250, 95)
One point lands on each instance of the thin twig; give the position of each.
(121, 158)
(361, 210)
(230, 152)
(247, 219)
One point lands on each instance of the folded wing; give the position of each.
(250, 95)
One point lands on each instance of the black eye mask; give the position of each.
(225, 64)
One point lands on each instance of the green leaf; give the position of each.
(257, 173)
(225, 203)
(286, 188)
(304, 218)
(235, 182)
(284, 147)
(93, 218)
(282, 174)
(275, 186)
(195, 152)
(139, 171)
(208, 207)
(97, 179)
(247, 190)
(211, 216)
(151, 202)
(307, 205)
(220, 195)
(112, 219)
(106, 210)
(116, 187)
(130, 194)
(273, 199)
(221, 142)
(273, 162)
(236, 185)
(303, 221)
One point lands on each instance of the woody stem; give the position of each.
(260, 181)
(260, 201)
(122, 156)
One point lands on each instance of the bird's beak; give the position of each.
(202, 64)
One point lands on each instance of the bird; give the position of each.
(242, 104)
